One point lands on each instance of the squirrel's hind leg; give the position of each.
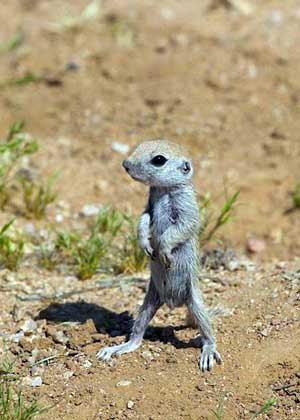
(147, 311)
(209, 354)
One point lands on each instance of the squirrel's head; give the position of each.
(159, 163)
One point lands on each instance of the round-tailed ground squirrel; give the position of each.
(168, 233)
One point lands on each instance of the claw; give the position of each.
(208, 358)
(148, 250)
(106, 353)
(166, 259)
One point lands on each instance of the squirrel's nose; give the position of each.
(126, 165)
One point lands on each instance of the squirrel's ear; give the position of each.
(186, 167)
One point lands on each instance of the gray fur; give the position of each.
(168, 233)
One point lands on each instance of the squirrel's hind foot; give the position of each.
(208, 357)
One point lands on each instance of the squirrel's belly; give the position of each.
(172, 285)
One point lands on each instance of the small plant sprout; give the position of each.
(37, 197)
(12, 403)
(218, 413)
(11, 249)
(132, 258)
(266, 408)
(209, 227)
(92, 11)
(87, 255)
(47, 256)
(122, 32)
(84, 253)
(14, 42)
(109, 221)
(16, 146)
(296, 196)
(66, 242)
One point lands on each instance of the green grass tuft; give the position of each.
(11, 249)
(211, 225)
(219, 413)
(131, 258)
(12, 403)
(37, 197)
(266, 408)
(12, 150)
(14, 42)
(296, 196)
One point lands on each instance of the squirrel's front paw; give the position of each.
(165, 257)
(147, 248)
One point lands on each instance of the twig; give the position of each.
(102, 284)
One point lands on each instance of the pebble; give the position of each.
(33, 382)
(123, 383)
(37, 381)
(147, 355)
(243, 6)
(275, 16)
(89, 210)
(121, 148)
(264, 332)
(86, 364)
(255, 246)
(15, 338)
(60, 337)
(29, 326)
(29, 229)
(59, 218)
(233, 265)
(130, 405)
(68, 374)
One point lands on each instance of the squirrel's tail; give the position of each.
(214, 312)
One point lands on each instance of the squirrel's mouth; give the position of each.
(136, 178)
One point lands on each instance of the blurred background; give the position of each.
(222, 77)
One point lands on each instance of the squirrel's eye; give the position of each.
(158, 160)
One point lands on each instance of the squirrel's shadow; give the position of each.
(111, 323)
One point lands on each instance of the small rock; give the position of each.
(15, 338)
(101, 185)
(264, 332)
(29, 229)
(281, 264)
(86, 364)
(44, 234)
(68, 374)
(130, 405)
(121, 148)
(255, 246)
(34, 382)
(123, 383)
(147, 355)
(59, 218)
(242, 6)
(32, 359)
(233, 265)
(89, 210)
(275, 16)
(60, 337)
(167, 14)
(29, 326)
(252, 71)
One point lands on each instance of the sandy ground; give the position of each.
(227, 86)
